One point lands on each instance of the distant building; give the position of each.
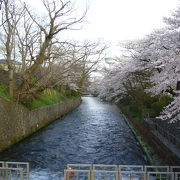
(4, 65)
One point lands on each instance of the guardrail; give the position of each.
(171, 134)
(121, 172)
(11, 173)
(14, 170)
(20, 171)
(132, 175)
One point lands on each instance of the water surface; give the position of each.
(94, 133)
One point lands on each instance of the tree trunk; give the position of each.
(11, 79)
(9, 45)
(10, 70)
(28, 74)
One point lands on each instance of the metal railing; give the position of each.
(1, 163)
(160, 175)
(171, 134)
(20, 171)
(177, 175)
(132, 175)
(14, 170)
(131, 168)
(105, 175)
(11, 173)
(104, 167)
(77, 174)
(121, 172)
(156, 168)
(80, 166)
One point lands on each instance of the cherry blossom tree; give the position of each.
(157, 56)
(118, 81)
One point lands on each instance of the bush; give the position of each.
(158, 106)
(141, 101)
(133, 108)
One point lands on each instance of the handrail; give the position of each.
(174, 139)
(7, 173)
(17, 165)
(125, 171)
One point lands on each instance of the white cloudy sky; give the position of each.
(119, 20)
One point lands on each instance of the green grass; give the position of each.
(4, 93)
(136, 115)
(49, 96)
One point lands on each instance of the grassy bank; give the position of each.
(135, 114)
(4, 93)
(44, 98)
(52, 96)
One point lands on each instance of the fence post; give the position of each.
(6, 170)
(21, 174)
(27, 171)
(120, 175)
(89, 175)
(116, 175)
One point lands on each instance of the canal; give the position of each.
(94, 133)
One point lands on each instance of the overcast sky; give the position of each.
(126, 19)
(119, 20)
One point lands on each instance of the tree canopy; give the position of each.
(36, 41)
(151, 64)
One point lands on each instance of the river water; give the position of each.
(94, 133)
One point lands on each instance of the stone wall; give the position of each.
(159, 148)
(17, 122)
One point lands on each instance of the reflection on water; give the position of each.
(94, 133)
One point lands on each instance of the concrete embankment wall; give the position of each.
(17, 122)
(159, 148)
